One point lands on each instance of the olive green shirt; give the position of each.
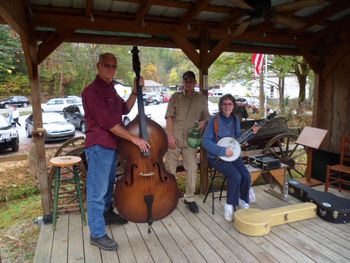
(185, 110)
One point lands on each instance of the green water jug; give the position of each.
(194, 136)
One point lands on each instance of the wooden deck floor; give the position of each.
(202, 237)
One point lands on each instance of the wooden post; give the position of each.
(38, 146)
(203, 75)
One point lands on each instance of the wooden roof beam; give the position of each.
(155, 28)
(183, 5)
(52, 42)
(89, 9)
(143, 10)
(187, 48)
(13, 14)
(198, 6)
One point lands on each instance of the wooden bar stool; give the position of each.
(67, 162)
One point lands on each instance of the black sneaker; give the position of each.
(105, 243)
(192, 206)
(113, 218)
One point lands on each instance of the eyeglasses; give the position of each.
(227, 104)
(109, 66)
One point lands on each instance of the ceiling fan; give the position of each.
(258, 11)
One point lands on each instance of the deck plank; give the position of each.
(109, 256)
(300, 240)
(172, 249)
(185, 244)
(241, 253)
(92, 253)
(60, 247)
(137, 243)
(203, 237)
(44, 246)
(153, 244)
(75, 244)
(201, 245)
(248, 242)
(125, 253)
(208, 234)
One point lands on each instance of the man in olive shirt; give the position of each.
(183, 110)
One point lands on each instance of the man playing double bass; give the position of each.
(103, 114)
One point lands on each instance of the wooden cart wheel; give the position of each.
(283, 147)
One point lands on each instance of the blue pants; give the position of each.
(238, 179)
(101, 177)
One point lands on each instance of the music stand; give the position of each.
(311, 138)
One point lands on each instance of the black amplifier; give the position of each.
(265, 162)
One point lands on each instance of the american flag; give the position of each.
(258, 60)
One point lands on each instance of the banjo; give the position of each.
(234, 144)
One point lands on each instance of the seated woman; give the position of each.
(226, 124)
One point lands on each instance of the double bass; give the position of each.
(146, 192)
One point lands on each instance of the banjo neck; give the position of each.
(243, 138)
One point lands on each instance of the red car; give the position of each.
(166, 97)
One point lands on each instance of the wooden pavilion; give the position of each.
(315, 29)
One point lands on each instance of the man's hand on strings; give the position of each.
(141, 143)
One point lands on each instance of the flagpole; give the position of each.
(265, 84)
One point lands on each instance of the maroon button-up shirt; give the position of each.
(103, 110)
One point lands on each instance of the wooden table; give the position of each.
(276, 177)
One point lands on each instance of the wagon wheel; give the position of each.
(294, 155)
(70, 145)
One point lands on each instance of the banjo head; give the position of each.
(233, 144)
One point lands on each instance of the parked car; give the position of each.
(152, 98)
(8, 135)
(75, 115)
(77, 98)
(215, 93)
(166, 97)
(57, 104)
(248, 103)
(19, 101)
(55, 125)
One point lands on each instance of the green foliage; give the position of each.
(15, 84)
(231, 66)
(72, 66)
(11, 54)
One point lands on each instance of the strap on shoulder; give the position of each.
(216, 126)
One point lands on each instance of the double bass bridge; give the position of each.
(146, 174)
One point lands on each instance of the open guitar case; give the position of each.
(330, 207)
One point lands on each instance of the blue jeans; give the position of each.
(238, 179)
(101, 177)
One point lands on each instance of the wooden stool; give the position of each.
(66, 162)
(211, 189)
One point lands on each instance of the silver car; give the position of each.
(55, 125)
(8, 135)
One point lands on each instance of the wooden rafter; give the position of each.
(155, 28)
(52, 42)
(187, 48)
(143, 9)
(197, 7)
(13, 13)
(89, 7)
(321, 15)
